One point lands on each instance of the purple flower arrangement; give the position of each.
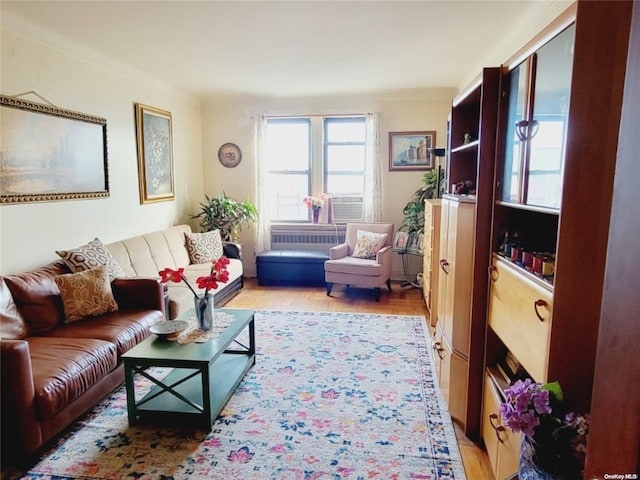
(558, 440)
(526, 402)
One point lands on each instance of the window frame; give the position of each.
(317, 172)
(326, 143)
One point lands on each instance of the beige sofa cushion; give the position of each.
(145, 255)
(148, 254)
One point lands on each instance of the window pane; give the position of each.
(352, 130)
(345, 184)
(287, 145)
(285, 201)
(345, 158)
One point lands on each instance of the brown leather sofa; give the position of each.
(52, 372)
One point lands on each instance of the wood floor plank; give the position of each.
(400, 301)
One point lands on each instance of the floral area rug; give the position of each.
(332, 396)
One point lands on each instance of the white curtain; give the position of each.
(263, 230)
(372, 202)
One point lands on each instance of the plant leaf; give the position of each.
(555, 390)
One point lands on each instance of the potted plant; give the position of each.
(227, 215)
(413, 222)
(554, 441)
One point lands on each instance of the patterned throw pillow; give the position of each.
(368, 244)
(204, 247)
(91, 255)
(86, 294)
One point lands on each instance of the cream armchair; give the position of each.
(363, 260)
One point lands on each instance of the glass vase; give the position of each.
(529, 467)
(204, 311)
(315, 214)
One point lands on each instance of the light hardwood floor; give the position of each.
(400, 301)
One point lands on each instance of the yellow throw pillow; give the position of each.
(86, 294)
(368, 244)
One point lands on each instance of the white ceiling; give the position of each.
(287, 48)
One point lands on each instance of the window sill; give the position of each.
(307, 227)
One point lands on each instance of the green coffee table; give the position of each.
(203, 378)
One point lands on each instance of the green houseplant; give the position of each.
(226, 214)
(413, 222)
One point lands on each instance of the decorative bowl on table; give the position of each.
(167, 328)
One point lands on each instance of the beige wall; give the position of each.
(30, 233)
(233, 121)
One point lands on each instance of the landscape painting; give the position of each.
(48, 154)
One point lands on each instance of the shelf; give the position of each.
(545, 282)
(529, 208)
(466, 147)
(226, 373)
(460, 198)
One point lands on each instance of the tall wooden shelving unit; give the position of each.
(471, 154)
(568, 308)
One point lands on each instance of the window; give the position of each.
(309, 156)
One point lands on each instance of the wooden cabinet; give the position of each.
(503, 446)
(431, 257)
(520, 315)
(454, 298)
(471, 159)
(553, 186)
(536, 124)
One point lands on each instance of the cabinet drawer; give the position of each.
(520, 314)
(428, 215)
(503, 446)
(458, 369)
(443, 363)
(427, 254)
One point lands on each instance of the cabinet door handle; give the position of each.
(492, 419)
(526, 130)
(437, 346)
(444, 265)
(521, 130)
(500, 430)
(539, 303)
(493, 273)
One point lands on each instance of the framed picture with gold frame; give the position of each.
(50, 154)
(155, 154)
(410, 150)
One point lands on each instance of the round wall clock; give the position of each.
(229, 155)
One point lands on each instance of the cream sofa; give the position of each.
(145, 255)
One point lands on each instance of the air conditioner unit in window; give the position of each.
(346, 209)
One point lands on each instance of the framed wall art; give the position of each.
(410, 150)
(49, 154)
(415, 244)
(400, 242)
(155, 154)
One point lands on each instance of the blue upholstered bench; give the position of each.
(291, 267)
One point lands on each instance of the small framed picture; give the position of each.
(410, 150)
(413, 244)
(400, 242)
